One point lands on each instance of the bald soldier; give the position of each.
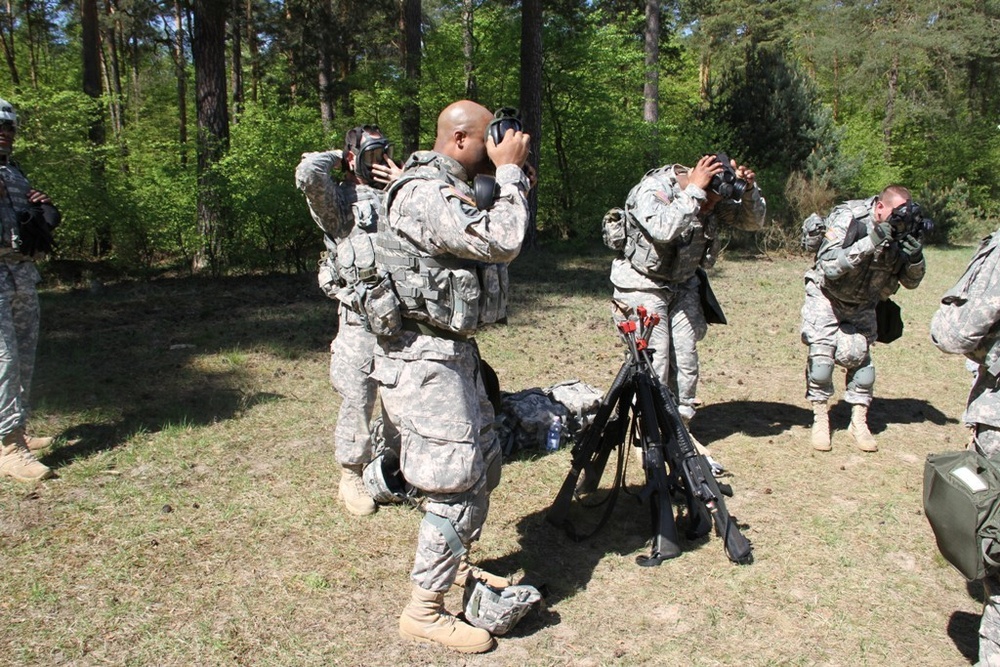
(446, 251)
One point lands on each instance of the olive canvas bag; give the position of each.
(962, 504)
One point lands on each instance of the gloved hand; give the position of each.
(880, 232)
(910, 246)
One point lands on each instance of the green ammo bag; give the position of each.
(961, 493)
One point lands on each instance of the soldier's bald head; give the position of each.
(461, 134)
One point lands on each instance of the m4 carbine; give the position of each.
(640, 409)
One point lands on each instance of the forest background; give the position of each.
(168, 131)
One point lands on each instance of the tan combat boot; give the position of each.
(353, 492)
(820, 437)
(37, 444)
(467, 571)
(17, 461)
(858, 429)
(425, 620)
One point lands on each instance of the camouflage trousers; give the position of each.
(19, 320)
(821, 320)
(674, 340)
(987, 441)
(352, 354)
(433, 394)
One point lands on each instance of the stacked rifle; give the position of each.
(639, 410)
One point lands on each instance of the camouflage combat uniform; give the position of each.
(850, 276)
(966, 323)
(19, 310)
(667, 240)
(348, 214)
(448, 263)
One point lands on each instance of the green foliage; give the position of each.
(268, 222)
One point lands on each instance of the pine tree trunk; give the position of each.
(531, 98)
(411, 33)
(208, 46)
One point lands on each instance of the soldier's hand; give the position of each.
(912, 248)
(384, 174)
(747, 175)
(513, 149)
(880, 232)
(707, 167)
(38, 197)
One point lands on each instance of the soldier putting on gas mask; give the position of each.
(443, 258)
(347, 206)
(28, 218)
(868, 249)
(668, 236)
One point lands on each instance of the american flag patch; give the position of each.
(663, 196)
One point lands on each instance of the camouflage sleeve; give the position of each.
(969, 312)
(748, 215)
(323, 194)
(442, 219)
(663, 214)
(833, 259)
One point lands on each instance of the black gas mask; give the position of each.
(726, 184)
(505, 118)
(368, 151)
(909, 219)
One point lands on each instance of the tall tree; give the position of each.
(208, 49)
(7, 24)
(469, 48)
(411, 15)
(651, 84)
(531, 95)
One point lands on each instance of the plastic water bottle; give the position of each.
(555, 435)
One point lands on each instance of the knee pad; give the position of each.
(820, 365)
(863, 378)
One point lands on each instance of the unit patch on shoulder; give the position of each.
(663, 196)
(452, 191)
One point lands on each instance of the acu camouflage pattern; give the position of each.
(965, 323)
(431, 386)
(19, 310)
(667, 240)
(452, 275)
(850, 276)
(667, 236)
(348, 214)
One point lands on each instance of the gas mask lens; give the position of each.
(506, 118)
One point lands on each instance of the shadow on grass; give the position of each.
(963, 628)
(137, 357)
(770, 418)
(561, 566)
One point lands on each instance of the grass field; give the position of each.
(194, 518)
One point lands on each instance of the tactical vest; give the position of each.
(355, 254)
(876, 278)
(456, 294)
(14, 183)
(673, 262)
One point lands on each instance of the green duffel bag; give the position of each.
(961, 494)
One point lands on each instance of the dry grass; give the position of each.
(194, 520)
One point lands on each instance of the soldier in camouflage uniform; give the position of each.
(348, 211)
(672, 228)
(966, 323)
(862, 260)
(26, 215)
(448, 258)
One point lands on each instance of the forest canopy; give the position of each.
(168, 131)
